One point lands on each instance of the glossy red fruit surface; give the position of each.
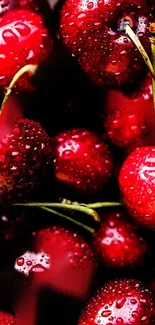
(81, 160)
(120, 302)
(90, 29)
(126, 118)
(7, 319)
(24, 156)
(23, 40)
(72, 261)
(137, 186)
(117, 243)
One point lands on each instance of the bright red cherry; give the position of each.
(137, 185)
(81, 161)
(91, 30)
(129, 117)
(71, 260)
(117, 243)
(23, 40)
(7, 318)
(120, 302)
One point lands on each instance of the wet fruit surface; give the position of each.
(81, 160)
(72, 261)
(119, 302)
(23, 40)
(117, 243)
(7, 319)
(91, 30)
(136, 182)
(24, 156)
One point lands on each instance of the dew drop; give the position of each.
(133, 301)
(106, 313)
(20, 261)
(90, 5)
(119, 321)
(120, 302)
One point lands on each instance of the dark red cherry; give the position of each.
(91, 29)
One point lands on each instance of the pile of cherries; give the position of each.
(77, 162)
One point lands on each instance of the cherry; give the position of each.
(92, 30)
(120, 302)
(24, 157)
(136, 181)
(7, 318)
(81, 161)
(129, 117)
(117, 243)
(24, 40)
(72, 262)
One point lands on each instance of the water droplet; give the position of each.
(120, 302)
(134, 314)
(125, 39)
(106, 313)
(29, 263)
(119, 321)
(133, 301)
(20, 261)
(90, 5)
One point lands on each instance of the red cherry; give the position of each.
(24, 40)
(72, 261)
(24, 157)
(136, 181)
(81, 160)
(91, 30)
(7, 319)
(129, 117)
(117, 243)
(120, 302)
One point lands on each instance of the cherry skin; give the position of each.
(129, 117)
(117, 243)
(72, 261)
(81, 161)
(24, 156)
(136, 182)
(24, 40)
(7, 318)
(120, 302)
(91, 30)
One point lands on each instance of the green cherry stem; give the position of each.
(99, 205)
(140, 47)
(152, 40)
(91, 230)
(30, 69)
(75, 207)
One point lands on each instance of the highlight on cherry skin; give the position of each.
(24, 40)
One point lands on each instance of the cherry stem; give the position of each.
(75, 207)
(139, 46)
(152, 40)
(91, 230)
(95, 205)
(30, 69)
(99, 205)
